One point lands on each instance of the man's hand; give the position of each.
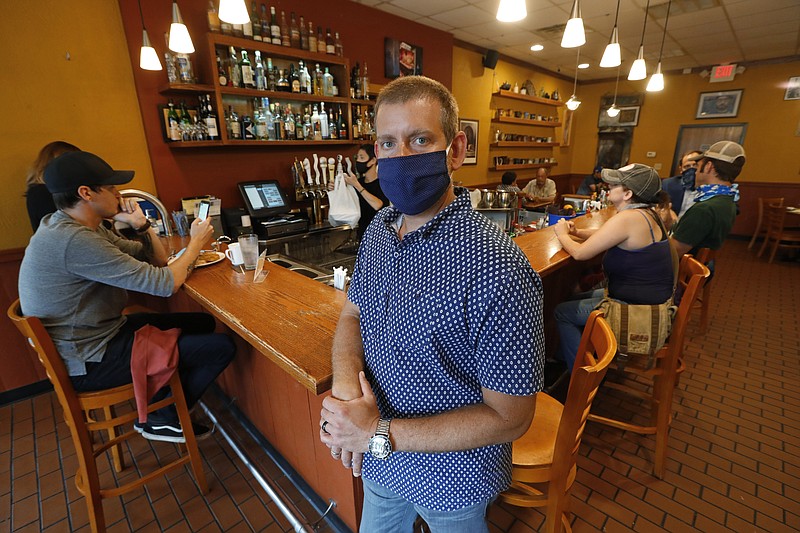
(201, 230)
(347, 426)
(130, 212)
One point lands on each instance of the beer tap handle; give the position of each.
(316, 171)
(323, 163)
(339, 169)
(349, 165)
(307, 167)
(331, 168)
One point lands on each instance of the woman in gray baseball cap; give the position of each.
(638, 261)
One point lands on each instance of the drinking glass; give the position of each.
(248, 244)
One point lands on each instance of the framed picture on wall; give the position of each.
(470, 128)
(722, 104)
(628, 116)
(401, 59)
(701, 137)
(793, 89)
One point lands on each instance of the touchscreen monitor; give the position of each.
(264, 198)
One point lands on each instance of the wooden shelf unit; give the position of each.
(521, 144)
(527, 122)
(523, 167)
(528, 98)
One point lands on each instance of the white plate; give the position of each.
(200, 262)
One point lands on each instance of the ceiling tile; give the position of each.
(427, 7)
(464, 16)
(434, 24)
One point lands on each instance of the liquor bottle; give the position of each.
(211, 120)
(183, 63)
(173, 122)
(214, 24)
(186, 122)
(258, 121)
(323, 120)
(365, 83)
(261, 78)
(221, 74)
(333, 126)
(235, 127)
(265, 33)
(299, 133)
(248, 129)
(317, 80)
(320, 40)
(255, 22)
(272, 82)
(327, 83)
(248, 81)
(294, 32)
(308, 129)
(289, 124)
(247, 29)
(286, 38)
(277, 121)
(316, 124)
(330, 44)
(283, 82)
(342, 125)
(294, 79)
(354, 116)
(305, 79)
(235, 71)
(337, 43)
(268, 118)
(303, 34)
(312, 37)
(274, 29)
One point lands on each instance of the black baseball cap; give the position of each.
(70, 170)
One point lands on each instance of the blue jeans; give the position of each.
(386, 511)
(571, 317)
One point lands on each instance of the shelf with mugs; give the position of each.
(528, 122)
(522, 144)
(522, 166)
(528, 98)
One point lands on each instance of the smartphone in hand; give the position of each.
(202, 211)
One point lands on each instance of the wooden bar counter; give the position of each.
(284, 329)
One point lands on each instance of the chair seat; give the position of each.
(536, 447)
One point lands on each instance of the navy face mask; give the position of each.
(687, 178)
(413, 183)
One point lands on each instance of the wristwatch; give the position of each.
(379, 445)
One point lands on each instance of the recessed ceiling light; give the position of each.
(583, 65)
(537, 48)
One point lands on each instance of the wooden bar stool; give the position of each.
(692, 275)
(544, 458)
(777, 232)
(705, 256)
(762, 204)
(75, 405)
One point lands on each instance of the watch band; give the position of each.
(383, 427)
(143, 229)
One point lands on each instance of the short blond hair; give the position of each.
(410, 88)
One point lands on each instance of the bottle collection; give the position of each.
(267, 121)
(265, 27)
(182, 125)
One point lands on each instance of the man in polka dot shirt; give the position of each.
(440, 347)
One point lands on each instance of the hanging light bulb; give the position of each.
(613, 111)
(573, 103)
(511, 10)
(611, 55)
(148, 58)
(657, 80)
(639, 67)
(233, 11)
(179, 39)
(573, 34)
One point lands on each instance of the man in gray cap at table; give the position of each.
(707, 223)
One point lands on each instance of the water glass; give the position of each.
(248, 244)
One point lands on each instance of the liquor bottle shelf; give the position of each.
(527, 122)
(520, 144)
(197, 88)
(227, 144)
(523, 167)
(282, 95)
(528, 98)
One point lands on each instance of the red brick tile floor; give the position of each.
(734, 458)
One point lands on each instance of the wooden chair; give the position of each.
(705, 256)
(544, 457)
(692, 275)
(762, 204)
(777, 232)
(75, 405)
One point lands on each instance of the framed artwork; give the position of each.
(793, 89)
(614, 148)
(566, 128)
(628, 116)
(401, 59)
(722, 104)
(470, 128)
(701, 137)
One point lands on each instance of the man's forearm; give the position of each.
(347, 355)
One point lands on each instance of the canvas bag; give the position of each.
(344, 205)
(641, 330)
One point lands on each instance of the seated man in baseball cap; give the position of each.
(707, 223)
(75, 276)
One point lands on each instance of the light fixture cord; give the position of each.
(664, 36)
(616, 85)
(140, 13)
(616, 17)
(644, 27)
(577, 62)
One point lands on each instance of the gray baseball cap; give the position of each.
(642, 180)
(727, 151)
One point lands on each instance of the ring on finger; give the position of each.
(324, 425)
(336, 454)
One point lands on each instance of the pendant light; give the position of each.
(511, 10)
(573, 103)
(148, 58)
(656, 82)
(573, 33)
(179, 39)
(233, 11)
(611, 55)
(639, 67)
(613, 111)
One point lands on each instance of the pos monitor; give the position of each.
(264, 199)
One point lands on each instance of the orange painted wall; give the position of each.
(772, 140)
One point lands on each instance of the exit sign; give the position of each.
(722, 73)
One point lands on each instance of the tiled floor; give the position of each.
(734, 460)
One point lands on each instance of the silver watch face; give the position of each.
(380, 447)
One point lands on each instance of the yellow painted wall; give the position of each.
(88, 100)
(772, 140)
(473, 86)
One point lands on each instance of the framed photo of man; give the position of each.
(793, 89)
(470, 128)
(722, 104)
